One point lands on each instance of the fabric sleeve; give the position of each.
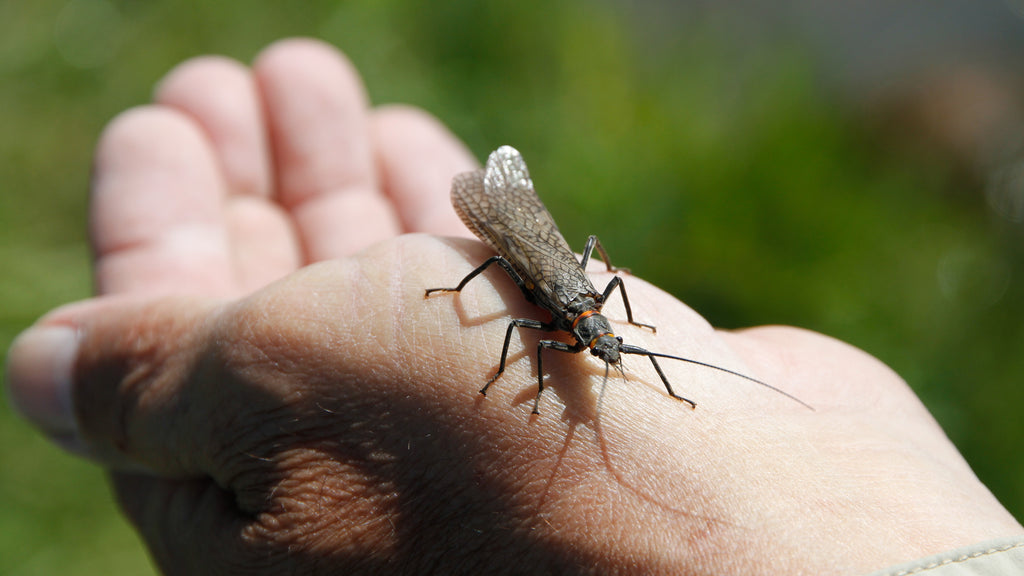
(995, 557)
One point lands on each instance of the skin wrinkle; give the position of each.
(356, 516)
(317, 479)
(313, 479)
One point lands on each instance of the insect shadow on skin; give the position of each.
(500, 206)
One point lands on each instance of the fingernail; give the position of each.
(39, 374)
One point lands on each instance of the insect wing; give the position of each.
(500, 205)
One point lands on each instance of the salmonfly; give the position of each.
(500, 206)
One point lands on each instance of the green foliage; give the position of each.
(731, 178)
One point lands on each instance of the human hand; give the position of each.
(261, 418)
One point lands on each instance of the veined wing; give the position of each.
(500, 206)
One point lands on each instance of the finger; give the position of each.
(221, 96)
(318, 121)
(418, 157)
(157, 219)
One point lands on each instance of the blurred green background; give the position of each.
(737, 170)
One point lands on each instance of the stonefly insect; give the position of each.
(501, 207)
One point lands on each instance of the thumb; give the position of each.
(109, 379)
(85, 372)
(235, 462)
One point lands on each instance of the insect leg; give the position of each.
(476, 272)
(593, 242)
(668, 386)
(515, 323)
(616, 282)
(628, 349)
(553, 345)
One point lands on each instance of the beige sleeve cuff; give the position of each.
(995, 557)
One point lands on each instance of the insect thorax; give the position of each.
(590, 326)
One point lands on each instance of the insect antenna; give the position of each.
(630, 349)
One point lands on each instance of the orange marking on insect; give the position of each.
(582, 316)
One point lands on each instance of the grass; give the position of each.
(738, 184)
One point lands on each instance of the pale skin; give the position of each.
(272, 393)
